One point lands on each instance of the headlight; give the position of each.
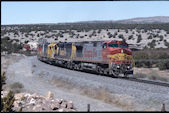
(118, 66)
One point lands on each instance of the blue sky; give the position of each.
(58, 12)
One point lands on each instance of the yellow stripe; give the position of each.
(120, 56)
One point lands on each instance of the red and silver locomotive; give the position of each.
(112, 58)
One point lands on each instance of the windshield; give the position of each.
(123, 46)
(113, 45)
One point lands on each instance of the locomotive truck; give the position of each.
(112, 58)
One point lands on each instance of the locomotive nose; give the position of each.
(120, 55)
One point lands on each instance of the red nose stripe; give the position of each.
(119, 51)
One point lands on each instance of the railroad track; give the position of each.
(128, 78)
(147, 81)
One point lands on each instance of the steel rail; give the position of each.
(147, 81)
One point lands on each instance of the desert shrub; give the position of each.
(109, 35)
(140, 55)
(81, 36)
(167, 32)
(152, 44)
(99, 31)
(6, 38)
(161, 37)
(121, 36)
(166, 43)
(139, 38)
(3, 79)
(138, 30)
(163, 65)
(16, 87)
(152, 58)
(7, 45)
(150, 37)
(130, 37)
(7, 102)
(126, 30)
(115, 33)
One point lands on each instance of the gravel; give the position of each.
(36, 76)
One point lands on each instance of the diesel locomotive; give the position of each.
(112, 58)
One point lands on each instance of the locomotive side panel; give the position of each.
(65, 50)
(92, 51)
(68, 47)
(79, 50)
(46, 50)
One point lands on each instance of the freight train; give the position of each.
(112, 58)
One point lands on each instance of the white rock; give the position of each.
(61, 110)
(19, 96)
(70, 105)
(63, 104)
(50, 95)
(27, 95)
(32, 101)
(37, 108)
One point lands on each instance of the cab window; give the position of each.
(123, 45)
(113, 45)
(104, 46)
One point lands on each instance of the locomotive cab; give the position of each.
(119, 57)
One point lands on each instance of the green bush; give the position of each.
(6, 102)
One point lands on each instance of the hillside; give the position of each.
(151, 35)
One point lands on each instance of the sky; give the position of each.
(72, 11)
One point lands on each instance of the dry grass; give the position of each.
(153, 75)
(140, 75)
(123, 101)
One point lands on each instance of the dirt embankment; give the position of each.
(22, 77)
(102, 93)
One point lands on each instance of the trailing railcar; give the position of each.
(112, 58)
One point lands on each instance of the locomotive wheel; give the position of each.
(99, 70)
(76, 67)
(79, 66)
(68, 65)
(71, 66)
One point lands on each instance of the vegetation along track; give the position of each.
(129, 78)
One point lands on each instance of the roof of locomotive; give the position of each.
(110, 41)
(116, 42)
